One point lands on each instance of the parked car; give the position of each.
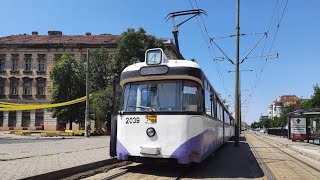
(263, 130)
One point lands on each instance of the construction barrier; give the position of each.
(5, 106)
(45, 133)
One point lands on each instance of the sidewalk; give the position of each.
(26, 156)
(310, 150)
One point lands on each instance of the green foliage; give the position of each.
(101, 69)
(105, 71)
(132, 46)
(254, 125)
(265, 123)
(102, 76)
(102, 103)
(315, 98)
(68, 77)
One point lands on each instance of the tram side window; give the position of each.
(208, 103)
(214, 105)
(130, 98)
(226, 117)
(219, 111)
(192, 99)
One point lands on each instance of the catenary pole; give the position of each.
(237, 83)
(87, 122)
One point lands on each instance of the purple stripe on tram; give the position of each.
(197, 148)
(122, 152)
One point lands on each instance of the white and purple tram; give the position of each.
(169, 111)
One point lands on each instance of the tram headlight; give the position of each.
(151, 131)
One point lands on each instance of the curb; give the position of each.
(311, 155)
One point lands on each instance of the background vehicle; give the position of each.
(169, 112)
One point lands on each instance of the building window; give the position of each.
(25, 119)
(14, 87)
(1, 118)
(40, 88)
(27, 87)
(57, 57)
(39, 117)
(28, 60)
(2, 85)
(2, 62)
(41, 62)
(12, 119)
(15, 62)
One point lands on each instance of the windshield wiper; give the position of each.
(143, 107)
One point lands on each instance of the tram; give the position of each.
(169, 112)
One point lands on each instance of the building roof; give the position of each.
(57, 38)
(289, 99)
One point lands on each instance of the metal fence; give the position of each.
(278, 132)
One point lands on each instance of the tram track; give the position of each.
(263, 165)
(282, 162)
(286, 153)
(145, 171)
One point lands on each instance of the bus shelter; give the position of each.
(304, 124)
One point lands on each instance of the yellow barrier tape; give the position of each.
(5, 106)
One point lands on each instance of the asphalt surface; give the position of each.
(228, 162)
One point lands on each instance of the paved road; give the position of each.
(22, 157)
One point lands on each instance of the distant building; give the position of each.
(276, 107)
(25, 63)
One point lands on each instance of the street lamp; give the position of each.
(87, 120)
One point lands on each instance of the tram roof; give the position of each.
(171, 63)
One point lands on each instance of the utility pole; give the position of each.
(237, 92)
(87, 121)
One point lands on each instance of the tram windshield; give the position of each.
(178, 95)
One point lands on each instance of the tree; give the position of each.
(254, 125)
(101, 79)
(315, 98)
(68, 77)
(264, 123)
(105, 71)
(132, 46)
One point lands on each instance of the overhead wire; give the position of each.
(264, 63)
(205, 33)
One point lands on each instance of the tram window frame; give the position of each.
(223, 113)
(214, 102)
(208, 103)
(219, 111)
(226, 117)
(187, 98)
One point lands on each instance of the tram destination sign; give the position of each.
(154, 70)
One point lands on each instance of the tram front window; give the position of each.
(183, 95)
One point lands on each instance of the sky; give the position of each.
(292, 31)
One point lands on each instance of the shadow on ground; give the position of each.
(229, 162)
